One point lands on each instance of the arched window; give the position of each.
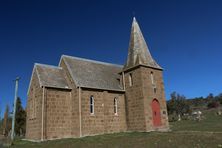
(115, 106)
(91, 105)
(154, 89)
(152, 78)
(130, 79)
(152, 81)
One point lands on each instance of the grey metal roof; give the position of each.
(138, 52)
(93, 74)
(51, 76)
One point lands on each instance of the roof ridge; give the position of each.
(48, 66)
(94, 61)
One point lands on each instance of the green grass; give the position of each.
(166, 140)
(211, 122)
(181, 136)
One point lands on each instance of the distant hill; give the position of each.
(204, 103)
(179, 104)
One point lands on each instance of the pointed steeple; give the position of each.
(138, 52)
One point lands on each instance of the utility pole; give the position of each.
(14, 110)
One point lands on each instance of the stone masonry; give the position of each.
(125, 98)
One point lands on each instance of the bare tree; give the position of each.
(6, 122)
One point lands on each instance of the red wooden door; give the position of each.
(156, 113)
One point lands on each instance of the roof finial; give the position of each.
(134, 16)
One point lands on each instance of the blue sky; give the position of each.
(184, 37)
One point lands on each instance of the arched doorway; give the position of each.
(156, 112)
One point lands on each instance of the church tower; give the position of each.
(143, 82)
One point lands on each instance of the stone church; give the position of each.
(82, 97)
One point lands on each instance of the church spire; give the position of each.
(138, 52)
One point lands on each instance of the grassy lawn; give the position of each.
(166, 140)
(211, 123)
(176, 138)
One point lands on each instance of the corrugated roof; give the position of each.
(94, 74)
(51, 76)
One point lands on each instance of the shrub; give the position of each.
(172, 118)
(213, 104)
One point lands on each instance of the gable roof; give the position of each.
(93, 74)
(51, 76)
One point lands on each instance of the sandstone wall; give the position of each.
(62, 114)
(135, 101)
(149, 94)
(34, 110)
(57, 114)
(103, 120)
(139, 99)
(75, 124)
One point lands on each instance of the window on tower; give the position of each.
(154, 89)
(152, 81)
(130, 79)
(152, 78)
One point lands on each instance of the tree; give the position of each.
(20, 118)
(178, 104)
(6, 122)
(1, 128)
(0, 123)
(210, 97)
(213, 104)
(219, 98)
